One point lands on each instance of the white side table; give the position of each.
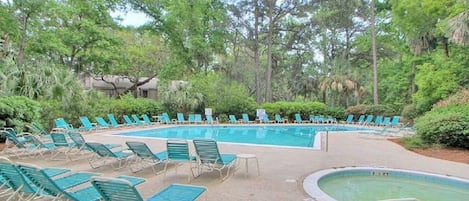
(246, 158)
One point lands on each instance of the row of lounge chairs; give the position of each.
(207, 157)
(279, 119)
(101, 123)
(137, 155)
(370, 120)
(24, 181)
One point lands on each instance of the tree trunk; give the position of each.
(268, 76)
(375, 64)
(257, 65)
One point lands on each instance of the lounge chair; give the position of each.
(368, 120)
(191, 119)
(209, 119)
(165, 118)
(331, 120)
(128, 121)
(349, 119)
(299, 120)
(80, 143)
(245, 119)
(17, 182)
(395, 121)
(265, 119)
(232, 119)
(360, 120)
(386, 121)
(63, 187)
(198, 119)
(102, 123)
(87, 125)
(210, 158)
(62, 145)
(180, 118)
(279, 119)
(103, 154)
(144, 156)
(378, 120)
(178, 152)
(137, 120)
(41, 147)
(61, 123)
(147, 120)
(21, 146)
(113, 189)
(113, 121)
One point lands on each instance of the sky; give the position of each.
(131, 18)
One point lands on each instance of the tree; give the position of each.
(142, 55)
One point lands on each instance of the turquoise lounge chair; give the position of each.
(245, 119)
(378, 120)
(21, 146)
(386, 121)
(137, 120)
(349, 119)
(361, 119)
(87, 125)
(265, 119)
(198, 119)
(21, 187)
(102, 123)
(211, 159)
(60, 188)
(103, 154)
(113, 121)
(41, 147)
(147, 120)
(113, 189)
(279, 119)
(395, 121)
(80, 143)
(180, 118)
(62, 124)
(165, 118)
(232, 119)
(368, 120)
(128, 121)
(299, 120)
(178, 152)
(62, 145)
(191, 119)
(209, 119)
(145, 157)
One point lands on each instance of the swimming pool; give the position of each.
(272, 135)
(371, 184)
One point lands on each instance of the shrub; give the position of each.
(447, 126)
(383, 110)
(409, 112)
(289, 109)
(18, 111)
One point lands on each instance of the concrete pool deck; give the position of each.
(282, 170)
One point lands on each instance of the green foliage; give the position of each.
(435, 83)
(289, 109)
(18, 111)
(413, 142)
(447, 125)
(129, 105)
(222, 95)
(383, 110)
(409, 112)
(222, 118)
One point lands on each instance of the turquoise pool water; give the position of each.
(291, 136)
(372, 185)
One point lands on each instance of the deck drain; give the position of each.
(290, 180)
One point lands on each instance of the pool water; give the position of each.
(363, 186)
(290, 136)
